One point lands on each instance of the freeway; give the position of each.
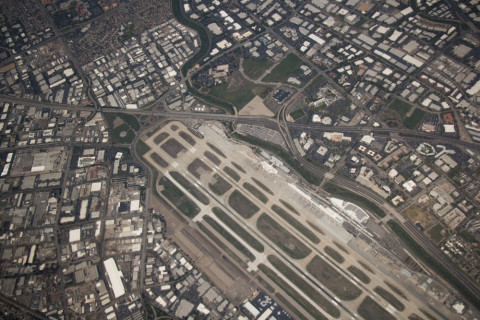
(421, 239)
(412, 230)
(258, 120)
(24, 309)
(284, 127)
(267, 121)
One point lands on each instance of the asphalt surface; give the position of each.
(284, 128)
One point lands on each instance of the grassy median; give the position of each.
(235, 227)
(288, 243)
(303, 285)
(293, 293)
(332, 279)
(296, 224)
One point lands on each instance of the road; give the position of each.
(341, 181)
(31, 312)
(420, 238)
(285, 127)
(281, 124)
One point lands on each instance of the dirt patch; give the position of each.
(219, 185)
(7, 67)
(173, 147)
(256, 107)
(198, 168)
(417, 214)
(117, 122)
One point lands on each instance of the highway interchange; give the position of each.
(284, 127)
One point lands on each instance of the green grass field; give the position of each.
(232, 173)
(297, 114)
(189, 187)
(261, 185)
(221, 244)
(415, 119)
(123, 134)
(298, 315)
(254, 69)
(284, 69)
(467, 236)
(401, 107)
(127, 126)
(178, 198)
(142, 147)
(289, 207)
(396, 290)
(435, 233)
(220, 186)
(131, 120)
(239, 91)
(390, 298)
